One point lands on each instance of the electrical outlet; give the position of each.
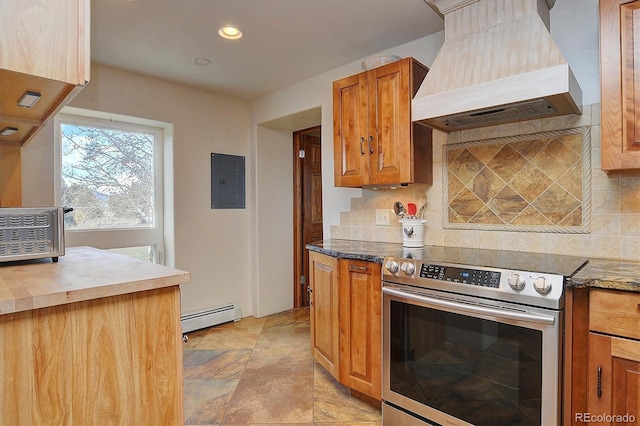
(382, 217)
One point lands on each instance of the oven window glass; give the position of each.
(480, 371)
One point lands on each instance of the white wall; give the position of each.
(274, 241)
(211, 244)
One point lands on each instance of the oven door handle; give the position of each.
(472, 309)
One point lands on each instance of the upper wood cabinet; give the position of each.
(375, 142)
(620, 74)
(44, 48)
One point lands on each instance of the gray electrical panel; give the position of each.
(227, 181)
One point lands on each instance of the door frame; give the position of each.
(297, 215)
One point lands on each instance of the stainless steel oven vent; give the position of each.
(31, 233)
(536, 108)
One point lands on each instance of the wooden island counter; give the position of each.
(92, 339)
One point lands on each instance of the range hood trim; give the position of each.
(556, 84)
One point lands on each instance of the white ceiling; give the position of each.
(285, 41)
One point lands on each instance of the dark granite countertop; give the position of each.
(609, 274)
(600, 273)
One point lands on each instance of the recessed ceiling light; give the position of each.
(29, 99)
(203, 62)
(230, 32)
(8, 131)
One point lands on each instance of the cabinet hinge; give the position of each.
(301, 153)
(303, 279)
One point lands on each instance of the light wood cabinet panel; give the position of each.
(115, 360)
(620, 84)
(324, 311)
(360, 327)
(375, 142)
(44, 48)
(10, 176)
(48, 39)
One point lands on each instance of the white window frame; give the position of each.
(113, 238)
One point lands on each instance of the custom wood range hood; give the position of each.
(498, 64)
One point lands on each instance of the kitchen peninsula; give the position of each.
(92, 339)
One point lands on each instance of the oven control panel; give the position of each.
(518, 286)
(484, 278)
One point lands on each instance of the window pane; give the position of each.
(107, 177)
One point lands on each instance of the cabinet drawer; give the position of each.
(615, 312)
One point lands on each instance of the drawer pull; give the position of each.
(361, 145)
(599, 388)
(358, 268)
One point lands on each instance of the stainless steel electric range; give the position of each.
(473, 336)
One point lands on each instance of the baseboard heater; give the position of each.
(208, 318)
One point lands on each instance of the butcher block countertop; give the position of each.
(83, 273)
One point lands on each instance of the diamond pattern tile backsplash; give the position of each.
(530, 182)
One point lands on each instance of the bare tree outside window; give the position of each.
(107, 177)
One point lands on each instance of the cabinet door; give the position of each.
(613, 379)
(47, 39)
(619, 76)
(360, 326)
(390, 123)
(323, 279)
(350, 132)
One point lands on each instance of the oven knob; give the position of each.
(541, 285)
(408, 268)
(516, 282)
(392, 266)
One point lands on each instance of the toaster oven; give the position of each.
(31, 233)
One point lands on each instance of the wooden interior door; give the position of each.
(308, 209)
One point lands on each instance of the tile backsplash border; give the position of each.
(615, 200)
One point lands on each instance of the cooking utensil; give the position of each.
(411, 209)
(398, 209)
(423, 204)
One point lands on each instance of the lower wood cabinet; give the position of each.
(603, 354)
(113, 360)
(614, 379)
(359, 293)
(324, 319)
(346, 321)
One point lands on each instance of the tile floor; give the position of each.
(261, 371)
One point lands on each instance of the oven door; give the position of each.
(457, 360)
